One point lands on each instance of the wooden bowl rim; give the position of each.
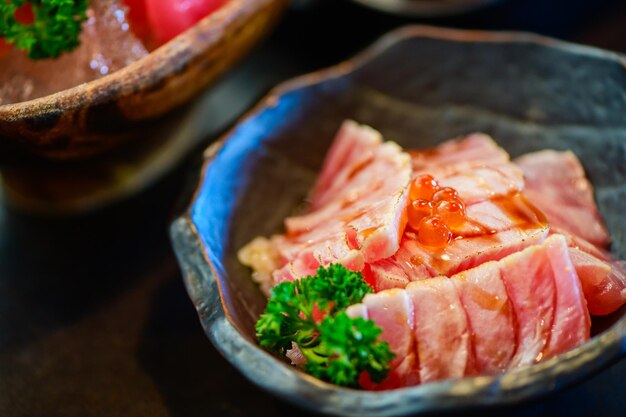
(176, 53)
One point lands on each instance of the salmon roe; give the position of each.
(418, 209)
(423, 188)
(434, 212)
(434, 233)
(451, 212)
(446, 194)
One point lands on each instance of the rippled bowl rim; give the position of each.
(280, 379)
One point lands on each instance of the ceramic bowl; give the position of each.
(419, 86)
(93, 117)
(426, 8)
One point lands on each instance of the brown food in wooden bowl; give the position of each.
(95, 116)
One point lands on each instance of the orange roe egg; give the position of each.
(434, 233)
(423, 188)
(417, 210)
(446, 194)
(452, 213)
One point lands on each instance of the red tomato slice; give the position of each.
(169, 18)
(24, 14)
(138, 18)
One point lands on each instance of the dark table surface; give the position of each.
(94, 318)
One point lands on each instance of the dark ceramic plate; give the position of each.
(419, 86)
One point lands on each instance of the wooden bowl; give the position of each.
(418, 86)
(94, 117)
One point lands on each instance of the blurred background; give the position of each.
(94, 318)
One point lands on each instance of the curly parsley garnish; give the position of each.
(56, 27)
(310, 313)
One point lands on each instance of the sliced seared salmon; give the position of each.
(394, 310)
(357, 218)
(502, 314)
(490, 316)
(556, 184)
(603, 282)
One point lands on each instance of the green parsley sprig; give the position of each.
(56, 27)
(310, 313)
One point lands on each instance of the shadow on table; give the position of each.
(192, 377)
(55, 271)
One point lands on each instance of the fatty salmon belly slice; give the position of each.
(477, 181)
(474, 147)
(380, 183)
(527, 277)
(603, 283)
(500, 214)
(494, 230)
(386, 274)
(351, 149)
(467, 253)
(581, 244)
(556, 183)
(392, 311)
(579, 221)
(306, 257)
(490, 317)
(441, 330)
(571, 318)
(361, 223)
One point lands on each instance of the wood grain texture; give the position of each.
(96, 116)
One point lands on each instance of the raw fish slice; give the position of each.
(361, 222)
(603, 283)
(579, 243)
(529, 282)
(500, 214)
(474, 147)
(310, 256)
(393, 311)
(470, 252)
(441, 331)
(517, 311)
(490, 316)
(387, 274)
(413, 262)
(352, 149)
(571, 318)
(556, 183)
(475, 166)
(494, 230)
(380, 183)
(477, 182)
(580, 221)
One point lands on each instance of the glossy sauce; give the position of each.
(522, 213)
(437, 214)
(433, 212)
